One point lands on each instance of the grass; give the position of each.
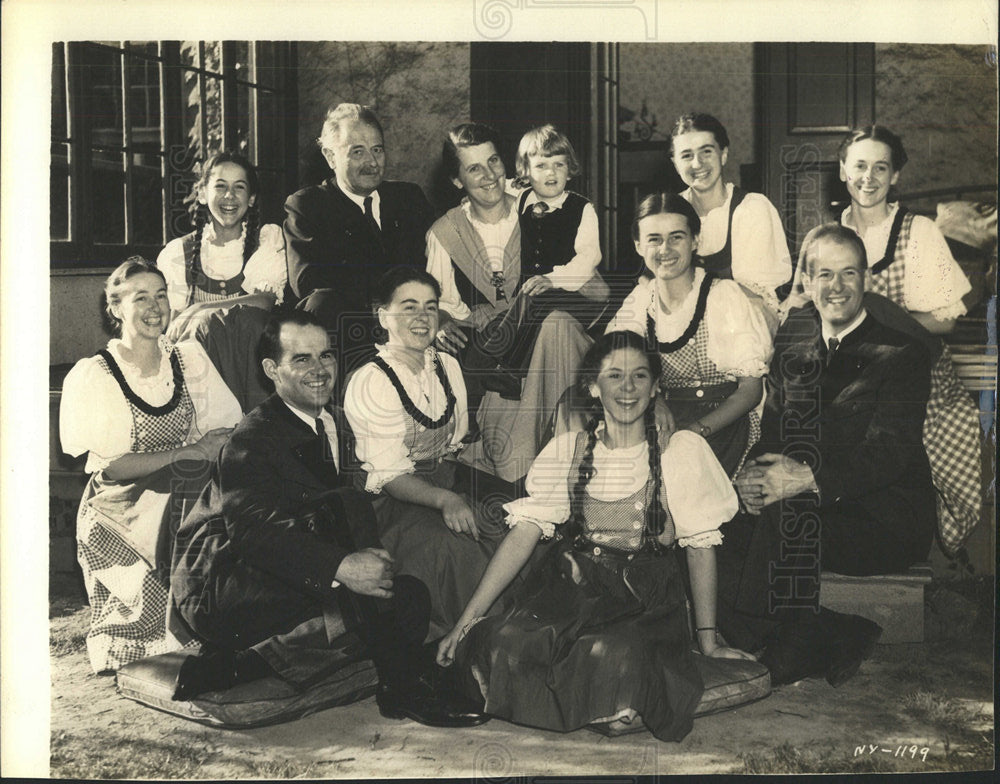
(76, 757)
(964, 748)
(977, 755)
(945, 713)
(788, 759)
(68, 626)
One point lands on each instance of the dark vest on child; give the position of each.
(549, 240)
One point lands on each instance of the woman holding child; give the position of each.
(149, 415)
(525, 352)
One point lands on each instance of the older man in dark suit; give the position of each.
(839, 479)
(343, 234)
(278, 569)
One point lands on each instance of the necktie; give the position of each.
(833, 344)
(538, 209)
(369, 215)
(325, 445)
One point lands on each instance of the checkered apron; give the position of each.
(621, 523)
(690, 367)
(951, 428)
(128, 597)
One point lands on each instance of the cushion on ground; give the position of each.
(150, 681)
(730, 683)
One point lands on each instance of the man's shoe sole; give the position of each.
(399, 713)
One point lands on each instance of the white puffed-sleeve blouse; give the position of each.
(933, 282)
(379, 421)
(739, 341)
(95, 417)
(266, 269)
(699, 495)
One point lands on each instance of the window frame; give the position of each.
(81, 250)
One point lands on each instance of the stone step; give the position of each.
(894, 601)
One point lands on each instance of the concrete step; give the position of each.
(894, 601)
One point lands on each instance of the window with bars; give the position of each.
(131, 122)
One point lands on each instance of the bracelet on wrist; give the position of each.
(701, 428)
(707, 629)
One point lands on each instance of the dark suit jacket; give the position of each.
(259, 552)
(858, 420)
(329, 243)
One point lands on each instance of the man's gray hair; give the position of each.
(338, 114)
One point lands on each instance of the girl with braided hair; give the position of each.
(229, 257)
(598, 633)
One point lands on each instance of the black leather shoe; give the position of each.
(797, 652)
(855, 642)
(423, 706)
(213, 671)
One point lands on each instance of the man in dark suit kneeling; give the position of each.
(278, 569)
(839, 480)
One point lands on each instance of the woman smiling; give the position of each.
(138, 408)
(407, 410)
(518, 369)
(713, 344)
(741, 235)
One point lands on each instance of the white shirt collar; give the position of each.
(208, 234)
(507, 220)
(554, 204)
(310, 420)
(385, 351)
(360, 200)
(847, 219)
(840, 335)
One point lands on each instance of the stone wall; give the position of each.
(418, 90)
(942, 100)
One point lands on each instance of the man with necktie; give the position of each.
(839, 479)
(278, 569)
(344, 233)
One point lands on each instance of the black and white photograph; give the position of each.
(498, 390)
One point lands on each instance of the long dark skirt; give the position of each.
(568, 653)
(449, 564)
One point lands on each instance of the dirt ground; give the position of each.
(912, 708)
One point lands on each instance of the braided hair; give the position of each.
(587, 374)
(200, 211)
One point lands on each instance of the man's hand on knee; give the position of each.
(368, 572)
